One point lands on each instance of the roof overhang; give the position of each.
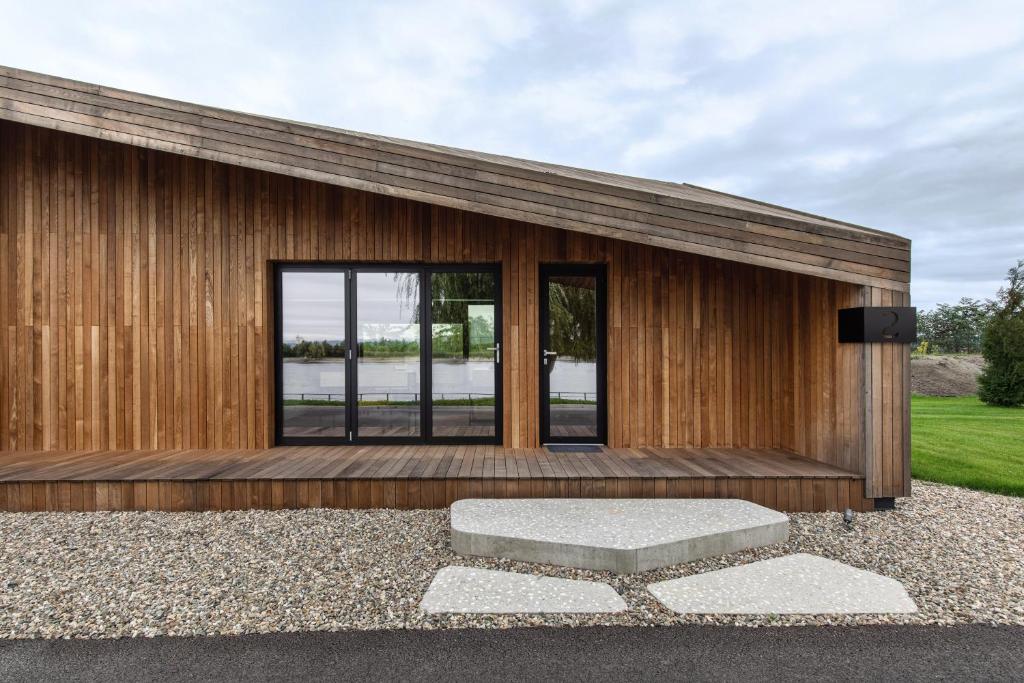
(667, 215)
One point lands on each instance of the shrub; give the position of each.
(1002, 381)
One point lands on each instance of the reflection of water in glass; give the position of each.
(573, 393)
(313, 325)
(452, 379)
(453, 376)
(574, 380)
(387, 337)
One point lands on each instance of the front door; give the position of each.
(572, 354)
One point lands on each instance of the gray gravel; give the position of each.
(959, 553)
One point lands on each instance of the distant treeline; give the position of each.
(954, 328)
(317, 350)
(446, 344)
(995, 329)
(313, 350)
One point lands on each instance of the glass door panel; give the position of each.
(572, 349)
(464, 354)
(397, 353)
(313, 348)
(388, 366)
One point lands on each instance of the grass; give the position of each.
(963, 442)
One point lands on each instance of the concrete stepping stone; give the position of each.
(795, 584)
(465, 590)
(620, 535)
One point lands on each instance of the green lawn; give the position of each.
(964, 442)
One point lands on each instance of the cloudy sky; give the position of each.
(907, 117)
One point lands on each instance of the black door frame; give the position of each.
(351, 268)
(599, 272)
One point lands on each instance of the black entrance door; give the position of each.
(572, 347)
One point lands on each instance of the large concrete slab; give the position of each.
(795, 584)
(624, 536)
(465, 590)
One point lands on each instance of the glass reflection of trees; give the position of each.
(462, 311)
(313, 350)
(572, 315)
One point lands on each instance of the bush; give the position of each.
(1002, 381)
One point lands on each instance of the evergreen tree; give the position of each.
(1002, 381)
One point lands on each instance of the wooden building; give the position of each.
(204, 309)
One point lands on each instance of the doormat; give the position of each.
(573, 448)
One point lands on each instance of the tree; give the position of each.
(954, 328)
(315, 351)
(1002, 381)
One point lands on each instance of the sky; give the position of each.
(906, 117)
(313, 306)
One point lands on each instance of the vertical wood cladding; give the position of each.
(887, 405)
(135, 314)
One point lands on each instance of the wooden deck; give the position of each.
(410, 477)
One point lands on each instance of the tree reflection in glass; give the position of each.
(462, 342)
(572, 372)
(388, 337)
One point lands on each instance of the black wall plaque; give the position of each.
(878, 324)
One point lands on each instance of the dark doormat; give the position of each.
(573, 448)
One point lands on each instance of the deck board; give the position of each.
(410, 476)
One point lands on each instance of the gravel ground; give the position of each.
(959, 553)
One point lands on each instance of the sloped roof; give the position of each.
(668, 215)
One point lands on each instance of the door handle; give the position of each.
(497, 352)
(545, 354)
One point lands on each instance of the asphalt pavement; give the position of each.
(692, 653)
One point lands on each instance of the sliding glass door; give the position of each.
(397, 354)
(388, 334)
(465, 351)
(312, 353)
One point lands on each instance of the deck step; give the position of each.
(619, 535)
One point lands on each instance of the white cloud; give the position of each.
(833, 161)
(949, 31)
(740, 30)
(697, 118)
(947, 128)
